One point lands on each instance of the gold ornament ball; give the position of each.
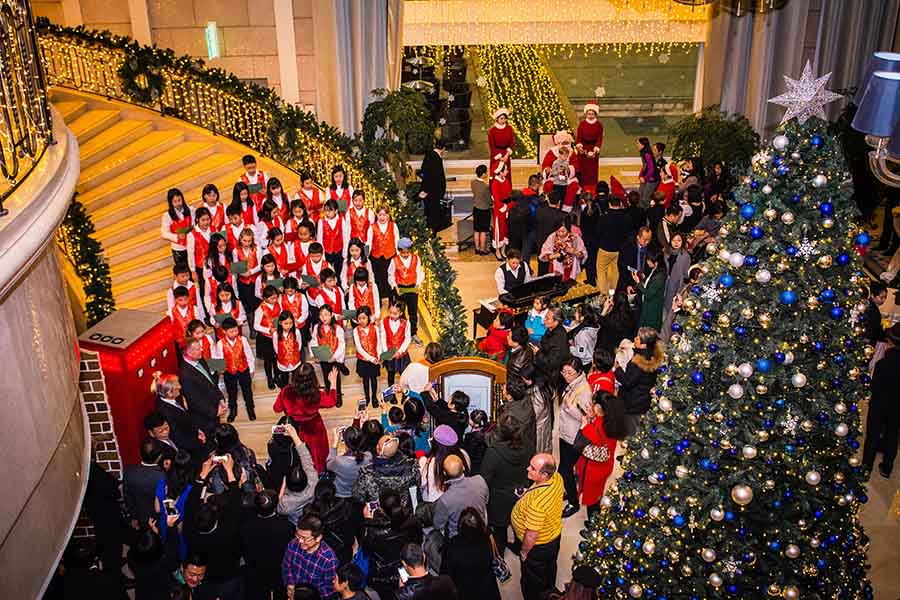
(824, 261)
(807, 425)
(821, 365)
(747, 313)
(839, 477)
(724, 321)
(802, 524)
(706, 363)
(853, 461)
(744, 228)
(693, 418)
(674, 556)
(742, 494)
(770, 214)
(827, 223)
(840, 408)
(762, 389)
(791, 592)
(814, 543)
(774, 590)
(716, 514)
(725, 444)
(812, 302)
(682, 471)
(686, 570)
(765, 319)
(854, 373)
(749, 452)
(708, 554)
(869, 351)
(689, 305)
(804, 339)
(649, 547)
(769, 484)
(763, 435)
(618, 543)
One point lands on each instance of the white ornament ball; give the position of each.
(672, 512)
(708, 554)
(798, 380)
(681, 472)
(715, 579)
(742, 494)
(736, 259)
(763, 276)
(840, 408)
(645, 454)
(792, 551)
(716, 514)
(654, 512)
(767, 189)
(745, 370)
(736, 391)
(780, 142)
(813, 477)
(819, 180)
(724, 254)
(791, 592)
(854, 461)
(649, 547)
(788, 218)
(795, 155)
(788, 358)
(841, 429)
(635, 591)
(749, 452)
(665, 404)
(606, 502)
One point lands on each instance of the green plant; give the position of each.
(75, 237)
(742, 480)
(396, 124)
(715, 136)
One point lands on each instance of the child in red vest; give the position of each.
(396, 336)
(239, 366)
(496, 343)
(226, 303)
(246, 282)
(368, 342)
(197, 329)
(296, 303)
(269, 219)
(327, 333)
(382, 242)
(234, 227)
(275, 195)
(255, 180)
(405, 275)
(339, 188)
(269, 275)
(359, 218)
(304, 239)
(177, 217)
(364, 293)
(216, 209)
(310, 196)
(356, 258)
(241, 201)
(264, 324)
(298, 215)
(288, 347)
(181, 313)
(198, 246)
(282, 252)
(313, 267)
(331, 235)
(329, 294)
(182, 275)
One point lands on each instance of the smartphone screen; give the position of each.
(361, 404)
(404, 576)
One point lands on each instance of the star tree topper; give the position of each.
(805, 97)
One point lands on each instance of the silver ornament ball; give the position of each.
(672, 512)
(749, 452)
(745, 370)
(828, 223)
(791, 592)
(635, 591)
(819, 180)
(767, 189)
(649, 547)
(736, 391)
(736, 259)
(798, 380)
(665, 404)
(716, 514)
(681, 472)
(654, 512)
(788, 358)
(787, 218)
(813, 477)
(780, 142)
(715, 580)
(841, 429)
(763, 276)
(708, 554)
(792, 551)
(742, 494)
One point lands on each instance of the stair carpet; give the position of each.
(128, 165)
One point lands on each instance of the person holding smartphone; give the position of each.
(576, 402)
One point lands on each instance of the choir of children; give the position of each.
(301, 274)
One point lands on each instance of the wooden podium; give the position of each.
(482, 379)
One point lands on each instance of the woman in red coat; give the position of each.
(502, 142)
(501, 189)
(588, 139)
(301, 400)
(599, 430)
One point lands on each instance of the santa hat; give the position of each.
(593, 107)
(501, 111)
(562, 136)
(616, 188)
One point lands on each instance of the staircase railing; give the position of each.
(119, 68)
(25, 125)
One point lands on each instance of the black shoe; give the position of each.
(886, 473)
(271, 383)
(251, 413)
(232, 415)
(340, 401)
(374, 403)
(570, 510)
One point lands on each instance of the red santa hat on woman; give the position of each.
(561, 137)
(499, 112)
(592, 106)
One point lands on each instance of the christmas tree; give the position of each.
(743, 481)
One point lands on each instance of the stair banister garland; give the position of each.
(117, 67)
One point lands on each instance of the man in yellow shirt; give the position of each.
(537, 522)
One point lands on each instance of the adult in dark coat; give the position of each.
(632, 255)
(264, 537)
(517, 402)
(434, 186)
(468, 556)
(504, 468)
(139, 483)
(520, 354)
(638, 377)
(883, 420)
(101, 502)
(204, 399)
(553, 351)
(874, 329)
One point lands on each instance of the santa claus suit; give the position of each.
(547, 164)
(669, 180)
(502, 142)
(500, 191)
(588, 140)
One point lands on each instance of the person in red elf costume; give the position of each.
(588, 140)
(502, 142)
(176, 224)
(254, 179)
(501, 188)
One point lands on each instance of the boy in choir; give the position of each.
(197, 329)
(264, 324)
(182, 275)
(368, 343)
(313, 267)
(512, 273)
(382, 244)
(240, 198)
(248, 252)
(405, 275)
(327, 333)
(359, 218)
(275, 195)
(216, 209)
(288, 348)
(227, 304)
(331, 295)
(235, 226)
(364, 293)
(235, 350)
(178, 216)
(395, 333)
(181, 313)
(330, 234)
(310, 196)
(255, 180)
(198, 246)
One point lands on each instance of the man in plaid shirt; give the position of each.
(309, 560)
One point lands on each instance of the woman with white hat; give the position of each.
(502, 142)
(588, 139)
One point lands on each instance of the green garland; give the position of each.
(139, 81)
(75, 237)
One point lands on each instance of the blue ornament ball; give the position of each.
(863, 239)
(697, 377)
(779, 357)
(837, 312)
(676, 328)
(706, 328)
(707, 315)
(727, 280)
(763, 365)
(751, 261)
(843, 259)
(754, 184)
(795, 198)
(748, 210)
(713, 348)
(791, 250)
(818, 346)
(816, 141)
(827, 209)
(827, 295)
(788, 297)
(782, 170)
(756, 232)
(740, 330)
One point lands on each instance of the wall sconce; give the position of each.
(213, 49)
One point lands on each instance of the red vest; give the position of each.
(288, 349)
(392, 340)
(252, 263)
(207, 347)
(363, 298)
(284, 209)
(383, 244)
(235, 359)
(327, 336)
(336, 303)
(248, 212)
(281, 257)
(406, 276)
(232, 236)
(234, 313)
(181, 223)
(295, 307)
(299, 255)
(180, 323)
(368, 339)
(201, 248)
(333, 237)
(218, 217)
(269, 315)
(275, 222)
(313, 204)
(359, 225)
(344, 195)
(257, 188)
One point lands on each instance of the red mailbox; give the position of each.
(132, 344)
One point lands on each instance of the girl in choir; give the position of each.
(217, 254)
(215, 278)
(216, 209)
(363, 292)
(339, 188)
(197, 329)
(176, 224)
(198, 247)
(382, 243)
(396, 336)
(356, 258)
(327, 333)
(367, 340)
(275, 195)
(330, 234)
(281, 251)
(269, 219)
(269, 275)
(297, 304)
(330, 294)
(309, 195)
(227, 304)
(298, 215)
(248, 252)
(240, 198)
(359, 218)
(288, 347)
(234, 227)
(264, 324)
(302, 243)
(501, 188)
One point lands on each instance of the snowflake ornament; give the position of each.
(711, 293)
(789, 425)
(761, 158)
(481, 81)
(442, 121)
(730, 567)
(451, 98)
(807, 249)
(600, 91)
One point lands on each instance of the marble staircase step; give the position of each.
(71, 109)
(142, 149)
(119, 135)
(93, 122)
(154, 258)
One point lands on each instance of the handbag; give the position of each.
(498, 565)
(595, 452)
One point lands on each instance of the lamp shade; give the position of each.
(879, 109)
(880, 61)
(894, 145)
